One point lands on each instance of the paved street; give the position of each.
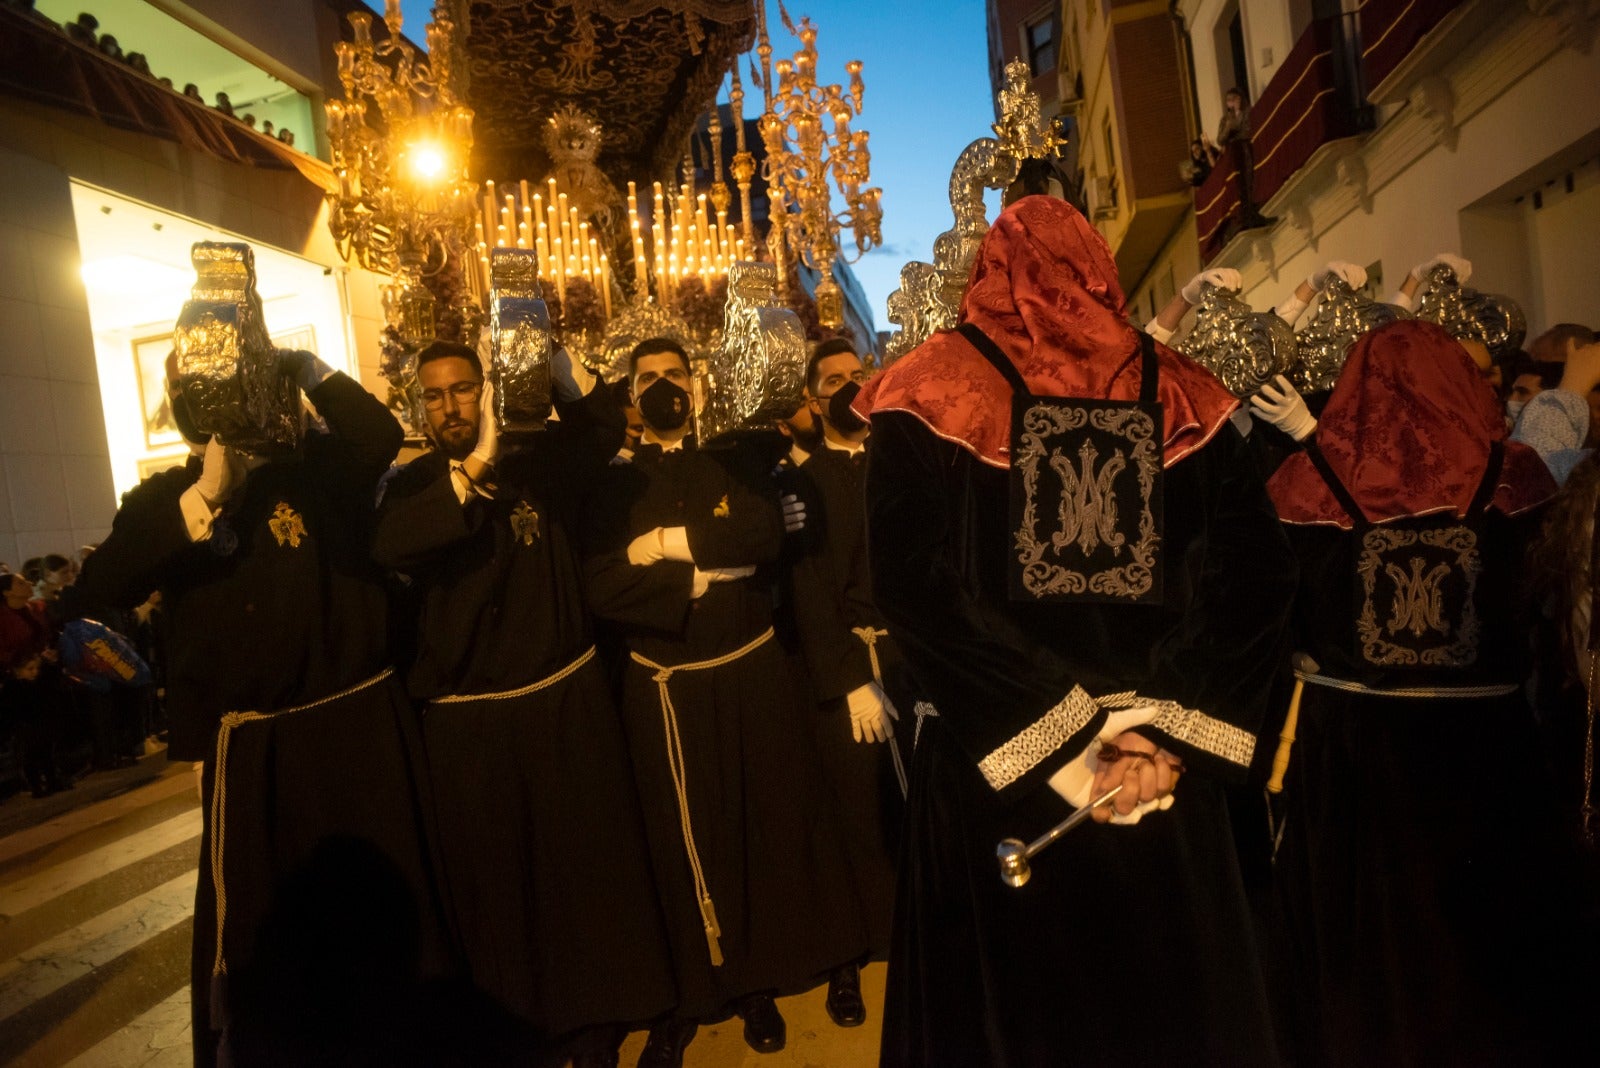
(95, 926)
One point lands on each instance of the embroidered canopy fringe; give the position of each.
(522, 691)
(869, 636)
(219, 798)
(669, 720)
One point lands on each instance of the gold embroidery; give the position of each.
(1417, 603)
(1087, 512)
(1193, 727)
(286, 525)
(721, 510)
(524, 523)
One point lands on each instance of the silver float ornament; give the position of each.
(1342, 316)
(520, 343)
(638, 322)
(227, 366)
(1495, 320)
(1244, 348)
(758, 374)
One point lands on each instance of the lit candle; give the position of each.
(605, 284)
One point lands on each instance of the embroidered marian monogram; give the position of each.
(286, 525)
(1088, 501)
(1418, 600)
(721, 510)
(524, 523)
(1422, 583)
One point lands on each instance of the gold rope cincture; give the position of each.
(532, 687)
(669, 719)
(870, 636)
(219, 797)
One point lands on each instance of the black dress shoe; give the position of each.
(764, 1029)
(668, 1039)
(844, 1002)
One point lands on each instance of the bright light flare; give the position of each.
(427, 162)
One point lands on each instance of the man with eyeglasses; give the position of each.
(857, 677)
(751, 877)
(540, 839)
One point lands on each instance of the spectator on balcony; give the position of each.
(85, 30)
(1233, 138)
(224, 105)
(1197, 168)
(110, 47)
(192, 91)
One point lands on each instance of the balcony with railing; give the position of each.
(1314, 98)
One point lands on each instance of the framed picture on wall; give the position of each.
(150, 364)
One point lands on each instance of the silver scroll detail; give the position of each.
(1495, 320)
(1343, 315)
(1242, 347)
(758, 374)
(520, 344)
(227, 367)
(637, 322)
(929, 297)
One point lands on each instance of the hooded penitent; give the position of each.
(1044, 288)
(1408, 430)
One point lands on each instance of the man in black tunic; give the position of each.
(314, 914)
(856, 673)
(1131, 944)
(541, 844)
(752, 883)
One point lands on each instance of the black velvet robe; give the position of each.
(1426, 906)
(331, 917)
(1130, 945)
(832, 595)
(766, 839)
(543, 862)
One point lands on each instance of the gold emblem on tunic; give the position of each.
(524, 523)
(721, 510)
(1088, 500)
(1418, 600)
(286, 525)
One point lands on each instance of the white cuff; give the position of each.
(1400, 300)
(675, 545)
(1075, 781)
(1159, 332)
(197, 514)
(582, 378)
(1289, 311)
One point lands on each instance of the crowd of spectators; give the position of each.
(57, 723)
(85, 29)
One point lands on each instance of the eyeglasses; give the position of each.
(463, 393)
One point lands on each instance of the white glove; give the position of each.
(870, 714)
(488, 447)
(1289, 311)
(572, 380)
(1158, 332)
(1354, 275)
(306, 368)
(646, 549)
(794, 513)
(1221, 277)
(703, 579)
(1462, 268)
(221, 473)
(675, 545)
(1280, 404)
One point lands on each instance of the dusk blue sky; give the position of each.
(927, 98)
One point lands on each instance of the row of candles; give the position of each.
(686, 241)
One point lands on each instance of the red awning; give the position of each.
(40, 63)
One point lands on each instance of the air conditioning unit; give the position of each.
(1101, 194)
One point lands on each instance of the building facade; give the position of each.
(110, 176)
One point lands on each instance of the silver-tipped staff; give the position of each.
(1014, 855)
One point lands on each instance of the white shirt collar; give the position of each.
(851, 447)
(649, 438)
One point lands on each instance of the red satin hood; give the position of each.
(1408, 430)
(1044, 288)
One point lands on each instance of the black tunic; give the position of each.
(1130, 945)
(765, 836)
(1426, 912)
(544, 866)
(832, 595)
(330, 911)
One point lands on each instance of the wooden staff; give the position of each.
(1303, 665)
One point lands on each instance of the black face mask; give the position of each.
(843, 417)
(664, 405)
(184, 418)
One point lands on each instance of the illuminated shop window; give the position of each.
(185, 55)
(137, 274)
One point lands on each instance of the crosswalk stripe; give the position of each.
(75, 953)
(154, 1039)
(34, 890)
(174, 781)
